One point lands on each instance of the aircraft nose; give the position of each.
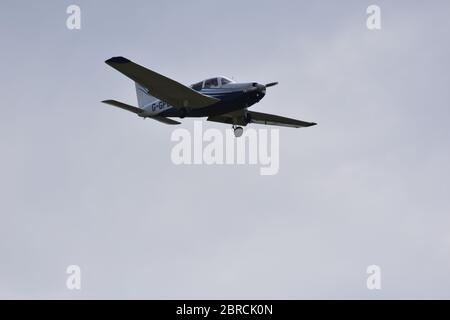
(261, 90)
(259, 87)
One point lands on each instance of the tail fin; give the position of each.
(143, 97)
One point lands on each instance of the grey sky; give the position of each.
(86, 184)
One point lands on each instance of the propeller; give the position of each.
(271, 84)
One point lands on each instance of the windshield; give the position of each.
(211, 83)
(197, 86)
(225, 81)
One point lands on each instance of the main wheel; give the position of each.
(238, 131)
(183, 113)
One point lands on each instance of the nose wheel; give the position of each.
(238, 131)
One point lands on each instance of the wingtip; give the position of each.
(117, 60)
(109, 101)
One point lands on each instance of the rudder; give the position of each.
(143, 97)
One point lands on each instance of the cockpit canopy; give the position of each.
(217, 82)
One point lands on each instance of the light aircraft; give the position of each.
(220, 99)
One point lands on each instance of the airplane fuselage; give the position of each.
(232, 97)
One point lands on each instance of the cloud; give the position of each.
(88, 185)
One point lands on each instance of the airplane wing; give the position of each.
(137, 110)
(243, 117)
(161, 87)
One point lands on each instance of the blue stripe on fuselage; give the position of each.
(229, 101)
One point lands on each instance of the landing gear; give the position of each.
(238, 131)
(183, 112)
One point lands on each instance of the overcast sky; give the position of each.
(86, 184)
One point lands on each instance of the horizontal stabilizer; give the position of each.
(124, 106)
(165, 120)
(138, 111)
